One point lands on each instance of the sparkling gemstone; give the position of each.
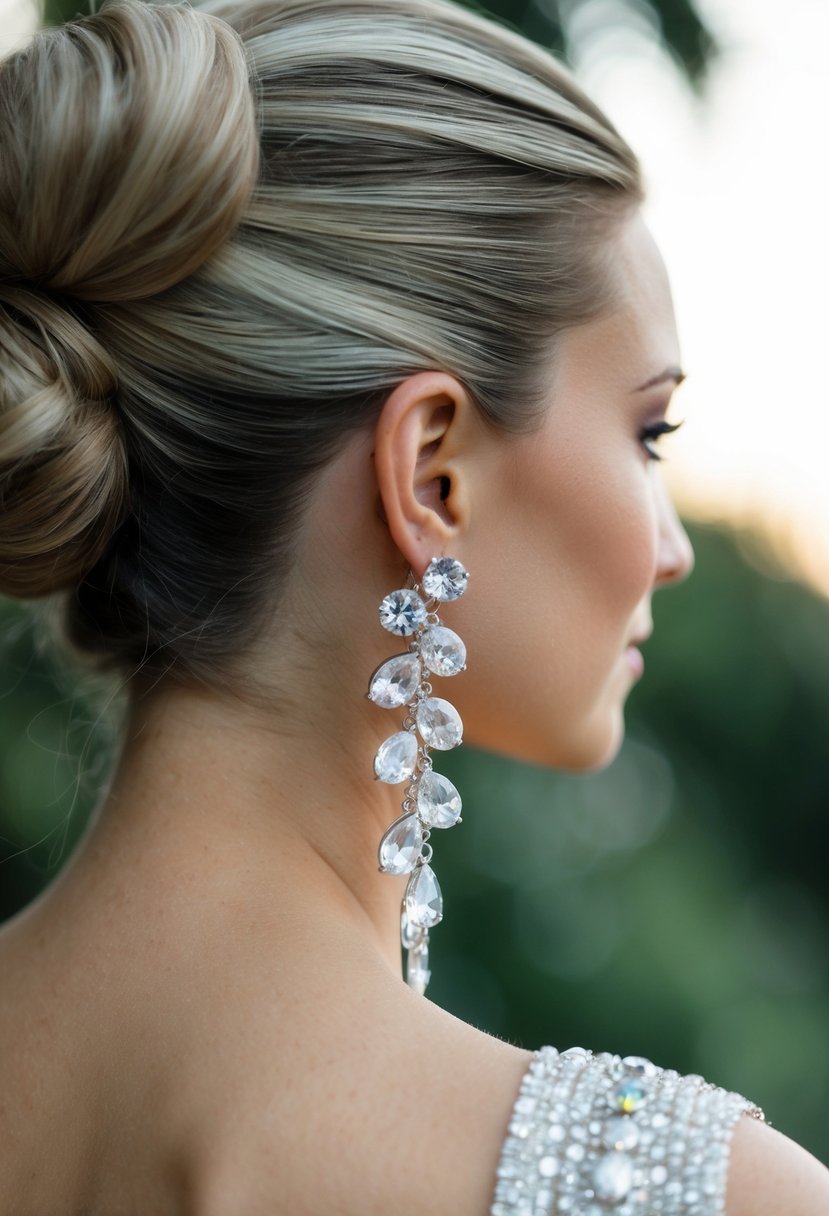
(639, 1066)
(548, 1167)
(400, 847)
(438, 802)
(424, 902)
(439, 723)
(417, 968)
(396, 757)
(621, 1132)
(629, 1095)
(444, 578)
(442, 651)
(402, 611)
(410, 934)
(613, 1177)
(395, 681)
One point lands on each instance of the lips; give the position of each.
(635, 660)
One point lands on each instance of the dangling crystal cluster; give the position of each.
(430, 800)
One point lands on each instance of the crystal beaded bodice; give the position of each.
(596, 1135)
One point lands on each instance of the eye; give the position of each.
(653, 432)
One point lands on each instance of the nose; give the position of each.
(675, 553)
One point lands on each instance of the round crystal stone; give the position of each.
(444, 579)
(438, 801)
(442, 651)
(621, 1132)
(424, 902)
(396, 757)
(402, 611)
(629, 1095)
(401, 845)
(639, 1066)
(395, 681)
(439, 724)
(417, 968)
(613, 1177)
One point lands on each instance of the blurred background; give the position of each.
(674, 905)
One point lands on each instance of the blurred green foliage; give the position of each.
(673, 904)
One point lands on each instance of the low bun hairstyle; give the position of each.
(226, 233)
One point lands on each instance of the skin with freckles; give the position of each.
(208, 1010)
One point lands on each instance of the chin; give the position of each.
(609, 749)
(594, 748)
(588, 750)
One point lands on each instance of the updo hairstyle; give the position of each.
(226, 234)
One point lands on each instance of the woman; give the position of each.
(304, 303)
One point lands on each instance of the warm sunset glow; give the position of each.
(737, 187)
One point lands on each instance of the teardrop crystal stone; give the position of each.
(402, 611)
(396, 757)
(410, 935)
(424, 902)
(400, 847)
(439, 723)
(445, 578)
(438, 802)
(417, 968)
(442, 651)
(395, 681)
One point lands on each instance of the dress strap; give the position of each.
(597, 1135)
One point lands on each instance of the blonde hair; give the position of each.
(226, 233)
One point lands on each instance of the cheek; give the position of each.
(601, 528)
(554, 582)
(614, 546)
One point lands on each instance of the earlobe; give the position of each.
(420, 479)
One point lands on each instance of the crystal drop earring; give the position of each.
(430, 800)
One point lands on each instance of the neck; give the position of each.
(284, 803)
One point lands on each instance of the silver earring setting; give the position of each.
(430, 800)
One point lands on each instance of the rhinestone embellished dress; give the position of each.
(596, 1135)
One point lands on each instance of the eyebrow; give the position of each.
(670, 373)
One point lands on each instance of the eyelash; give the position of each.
(653, 432)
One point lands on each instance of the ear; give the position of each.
(422, 435)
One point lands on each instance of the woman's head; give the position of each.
(222, 250)
(566, 530)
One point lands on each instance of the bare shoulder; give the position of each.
(771, 1175)
(403, 1109)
